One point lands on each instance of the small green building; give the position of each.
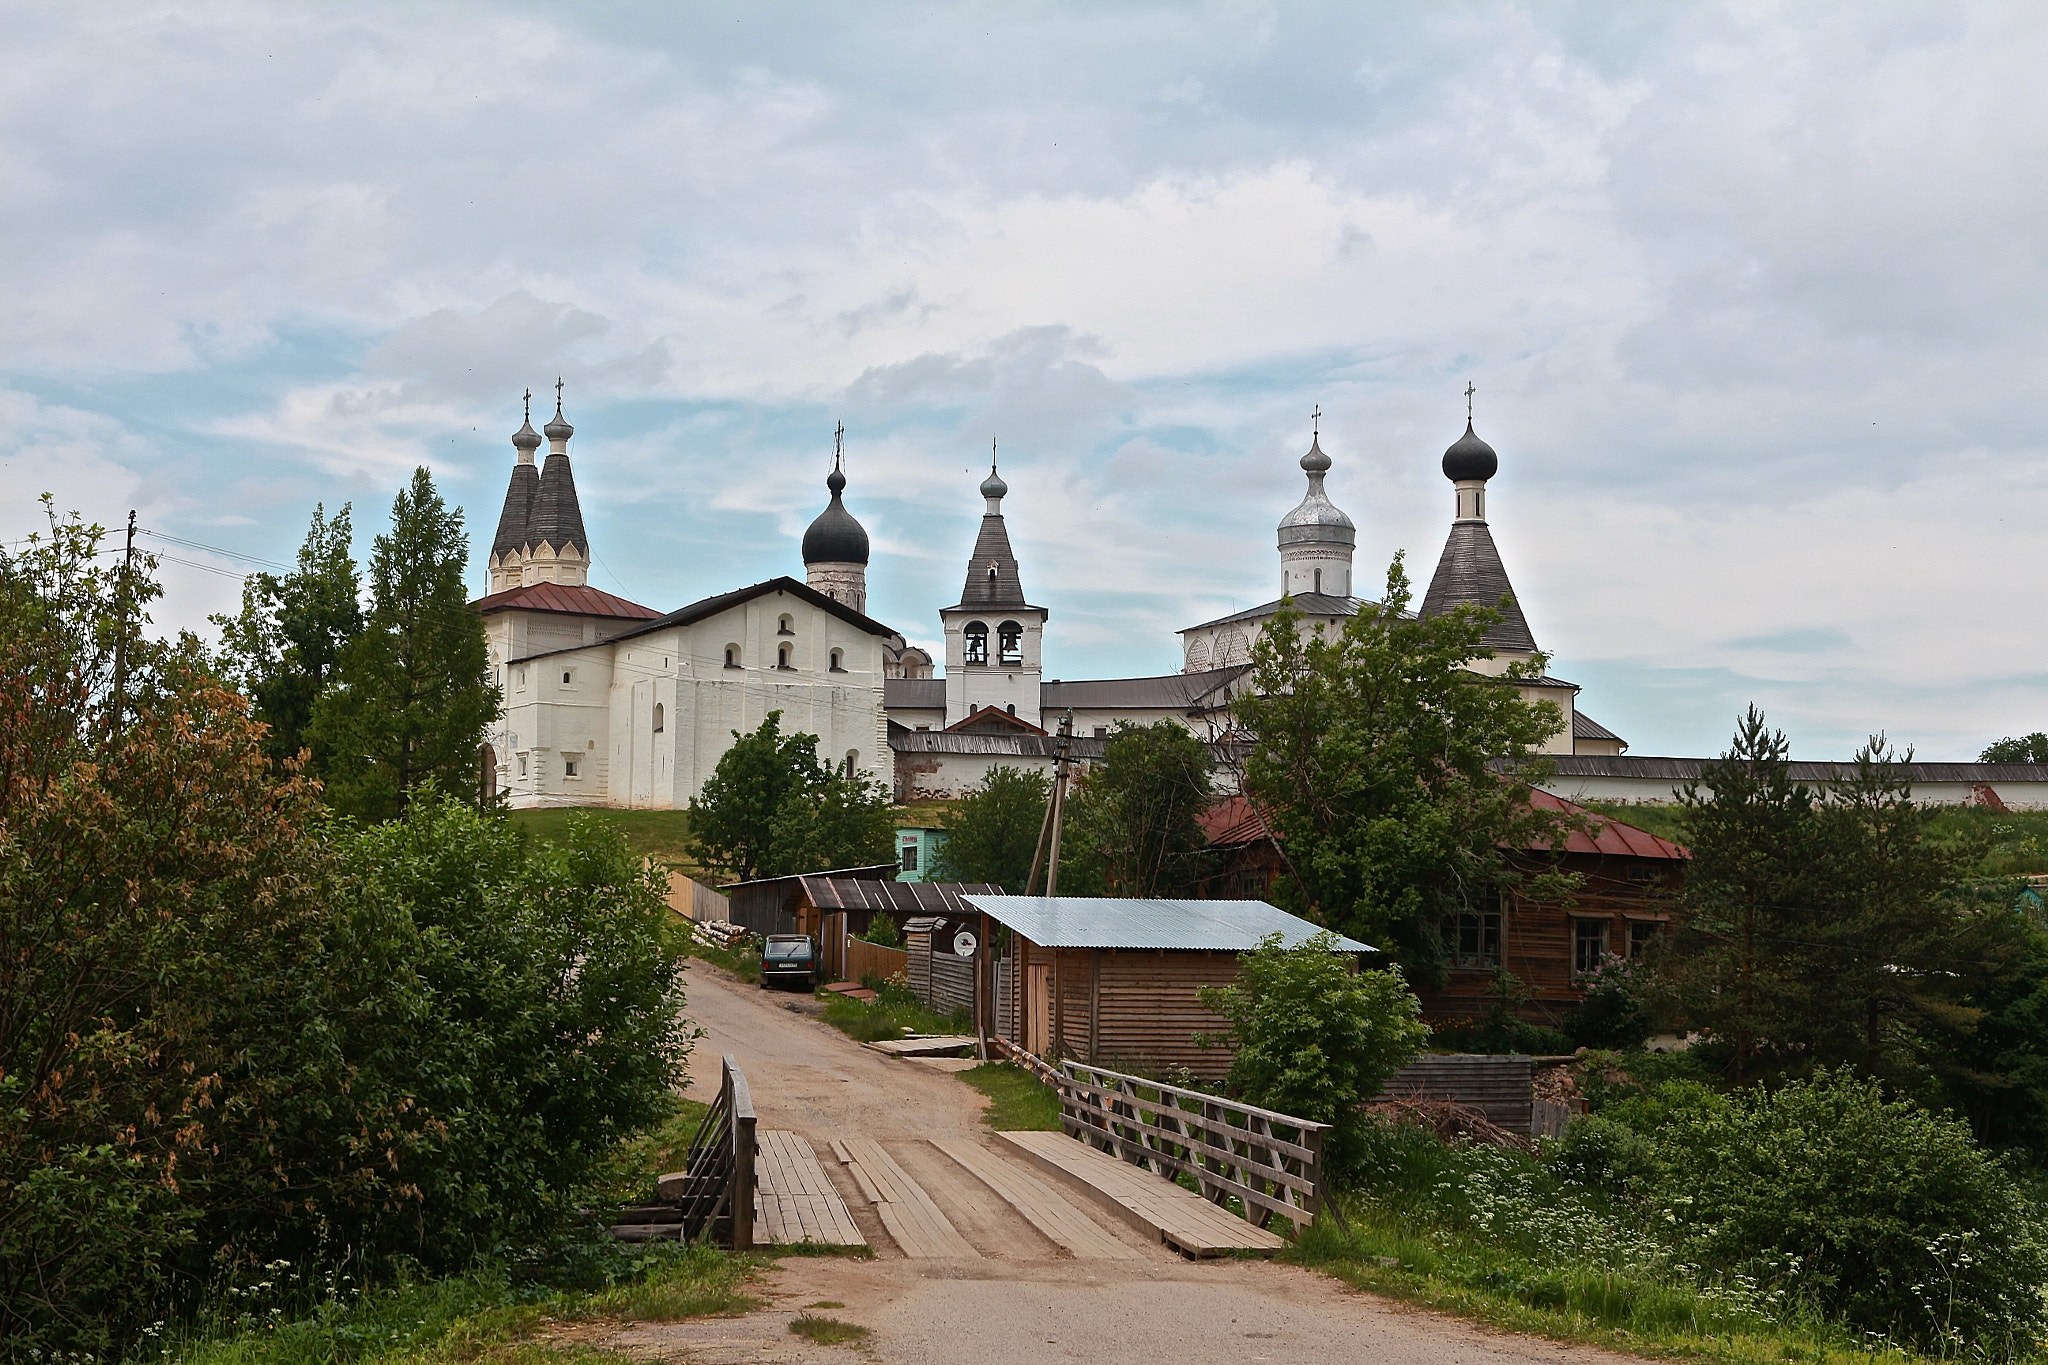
(916, 846)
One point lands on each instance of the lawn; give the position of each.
(663, 835)
(1019, 1101)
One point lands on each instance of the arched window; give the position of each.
(1010, 643)
(1319, 580)
(660, 718)
(1198, 653)
(977, 642)
(732, 656)
(786, 626)
(838, 666)
(992, 575)
(852, 764)
(782, 658)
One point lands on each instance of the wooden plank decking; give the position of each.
(906, 1210)
(1042, 1206)
(793, 1201)
(923, 1047)
(1152, 1204)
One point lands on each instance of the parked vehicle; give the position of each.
(789, 960)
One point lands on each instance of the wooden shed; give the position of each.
(776, 905)
(844, 906)
(1116, 982)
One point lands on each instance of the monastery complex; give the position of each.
(610, 703)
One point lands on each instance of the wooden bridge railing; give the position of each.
(1271, 1163)
(717, 1188)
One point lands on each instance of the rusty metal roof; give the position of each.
(577, 599)
(1112, 922)
(1607, 835)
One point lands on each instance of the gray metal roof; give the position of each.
(1585, 727)
(1111, 922)
(1172, 691)
(922, 694)
(1312, 604)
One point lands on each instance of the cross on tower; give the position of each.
(558, 393)
(527, 399)
(1469, 391)
(1315, 424)
(838, 443)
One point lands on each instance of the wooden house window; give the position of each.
(909, 862)
(1641, 934)
(1473, 939)
(1589, 944)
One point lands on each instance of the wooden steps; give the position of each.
(1150, 1203)
(794, 1202)
(906, 1210)
(1042, 1206)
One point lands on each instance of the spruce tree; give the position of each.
(283, 647)
(411, 694)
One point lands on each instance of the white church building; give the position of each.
(610, 703)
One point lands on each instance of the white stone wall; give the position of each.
(974, 687)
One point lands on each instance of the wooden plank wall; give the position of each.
(865, 959)
(1501, 1088)
(1145, 1012)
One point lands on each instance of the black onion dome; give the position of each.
(835, 537)
(1470, 458)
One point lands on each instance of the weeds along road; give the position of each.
(1024, 1299)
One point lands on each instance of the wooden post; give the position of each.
(742, 1157)
(1059, 1008)
(1059, 801)
(1094, 1005)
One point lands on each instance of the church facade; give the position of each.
(611, 703)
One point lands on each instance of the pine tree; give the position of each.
(283, 647)
(411, 694)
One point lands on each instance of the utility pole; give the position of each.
(127, 598)
(1055, 813)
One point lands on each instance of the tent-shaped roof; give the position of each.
(1112, 922)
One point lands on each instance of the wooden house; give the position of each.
(1117, 982)
(1630, 881)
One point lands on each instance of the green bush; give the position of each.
(1313, 1038)
(1877, 1211)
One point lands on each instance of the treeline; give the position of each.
(237, 1029)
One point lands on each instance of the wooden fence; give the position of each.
(1270, 1163)
(1499, 1087)
(864, 959)
(716, 1186)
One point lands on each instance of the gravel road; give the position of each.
(1024, 1300)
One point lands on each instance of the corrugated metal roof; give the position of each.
(1235, 820)
(918, 898)
(969, 742)
(1607, 835)
(1111, 922)
(1173, 691)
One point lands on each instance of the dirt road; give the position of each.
(1023, 1300)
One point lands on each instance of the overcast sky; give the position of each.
(1752, 296)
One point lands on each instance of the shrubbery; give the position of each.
(1874, 1212)
(1314, 1038)
(233, 1035)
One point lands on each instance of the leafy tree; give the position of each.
(2026, 749)
(1377, 762)
(993, 830)
(1313, 1038)
(1131, 823)
(1821, 931)
(772, 808)
(411, 694)
(282, 649)
(231, 1032)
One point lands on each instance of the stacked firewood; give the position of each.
(718, 933)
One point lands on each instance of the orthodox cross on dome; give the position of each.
(991, 453)
(1469, 391)
(558, 393)
(1315, 423)
(838, 443)
(526, 399)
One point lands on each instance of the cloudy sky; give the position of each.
(1752, 297)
